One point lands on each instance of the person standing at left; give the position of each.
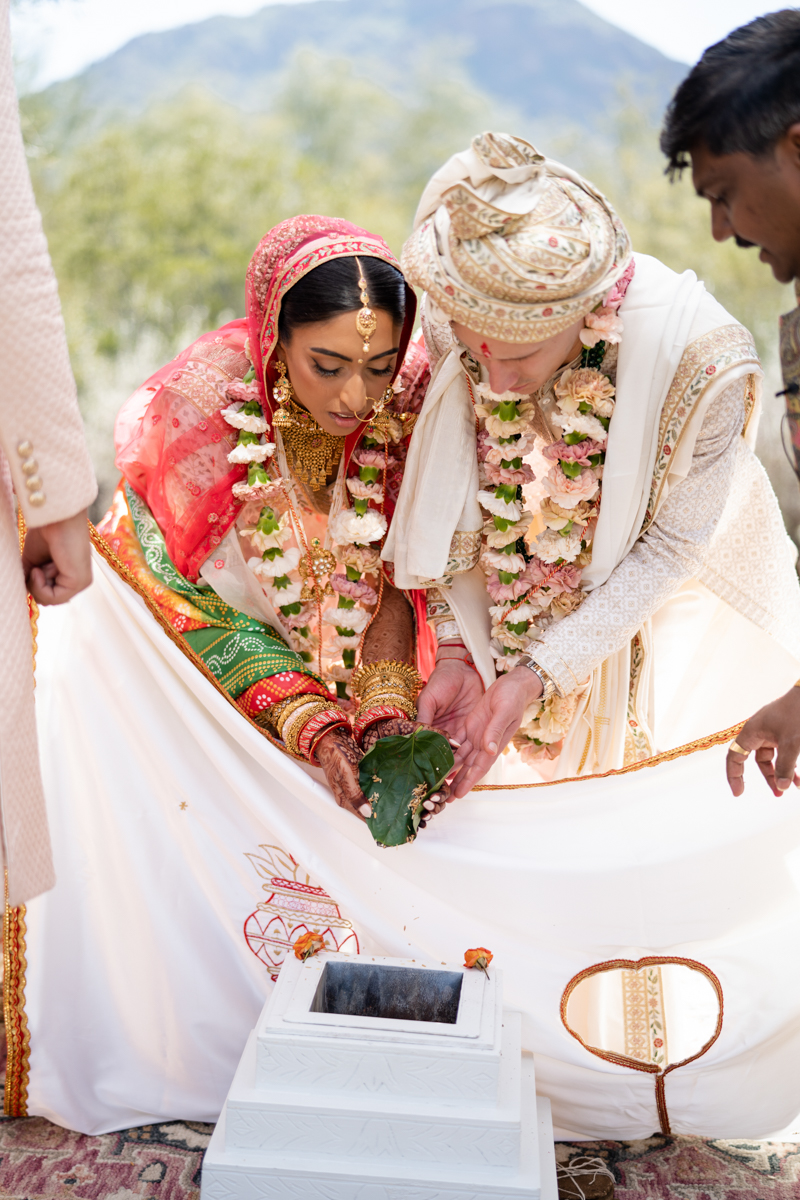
(44, 461)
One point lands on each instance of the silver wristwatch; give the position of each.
(548, 687)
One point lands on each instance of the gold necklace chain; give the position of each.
(312, 453)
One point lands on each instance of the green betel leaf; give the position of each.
(397, 776)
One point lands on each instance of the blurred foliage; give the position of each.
(151, 221)
(153, 218)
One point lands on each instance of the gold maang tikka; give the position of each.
(366, 324)
(311, 451)
(366, 321)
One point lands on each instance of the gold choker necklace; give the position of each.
(311, 452)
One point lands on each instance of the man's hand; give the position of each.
(449, 696)
(57, 560)
(492, 724)
(775, 727)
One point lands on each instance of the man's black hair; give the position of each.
(332, 288)
(742, 95)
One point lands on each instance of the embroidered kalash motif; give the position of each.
(293, 906)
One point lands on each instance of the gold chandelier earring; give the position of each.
(283, 396)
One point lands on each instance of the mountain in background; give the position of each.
(551, 60)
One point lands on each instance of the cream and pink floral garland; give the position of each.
(283, 546)
(535, 581)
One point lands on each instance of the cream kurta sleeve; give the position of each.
(41, 433)
(670, 553)
(43, 458)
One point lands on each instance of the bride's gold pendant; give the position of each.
(321, 563)
(312, 452)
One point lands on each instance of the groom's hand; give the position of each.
(493, 722)
(449, 696)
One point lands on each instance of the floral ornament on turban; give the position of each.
(513, 245)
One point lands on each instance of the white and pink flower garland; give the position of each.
(534, 581)
(282, 546)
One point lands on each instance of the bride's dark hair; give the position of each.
(332, 288)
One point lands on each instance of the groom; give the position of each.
(735, 120)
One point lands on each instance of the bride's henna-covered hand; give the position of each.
(396, 727)
(339, 756)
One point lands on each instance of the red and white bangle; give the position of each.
(380, 712)
(317, 725)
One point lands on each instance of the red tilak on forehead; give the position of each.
(485, 351)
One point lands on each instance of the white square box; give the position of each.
(373, 1078)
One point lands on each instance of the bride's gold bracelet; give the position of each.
(386, 682)
(279, 713)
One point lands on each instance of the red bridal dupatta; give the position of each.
(173, 443)
(179, 497)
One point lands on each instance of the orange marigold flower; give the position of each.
(309, 944)
(480, 958)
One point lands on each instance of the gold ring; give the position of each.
(737, 749)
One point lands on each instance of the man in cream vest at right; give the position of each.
(606, 565)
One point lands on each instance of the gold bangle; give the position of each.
(293, 729)
(278, 713)
(392, 699)
(383, 678)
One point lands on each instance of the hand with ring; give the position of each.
(774, 734)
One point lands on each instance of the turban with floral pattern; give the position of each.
(513, 245)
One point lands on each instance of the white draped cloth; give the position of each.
(177, 828)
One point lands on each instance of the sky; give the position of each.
(58, 38)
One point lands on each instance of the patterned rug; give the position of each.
(40, 1161)
(684, 1168)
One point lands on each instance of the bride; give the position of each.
(264, 555)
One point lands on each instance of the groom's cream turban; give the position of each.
(513, 245)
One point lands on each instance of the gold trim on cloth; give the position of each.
(749, 402)
(702, 361)
(637, 742)
(704, 743)
(18, 1038)
(464, 552)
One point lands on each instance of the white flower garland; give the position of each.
(535, 581)
(352, 533)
